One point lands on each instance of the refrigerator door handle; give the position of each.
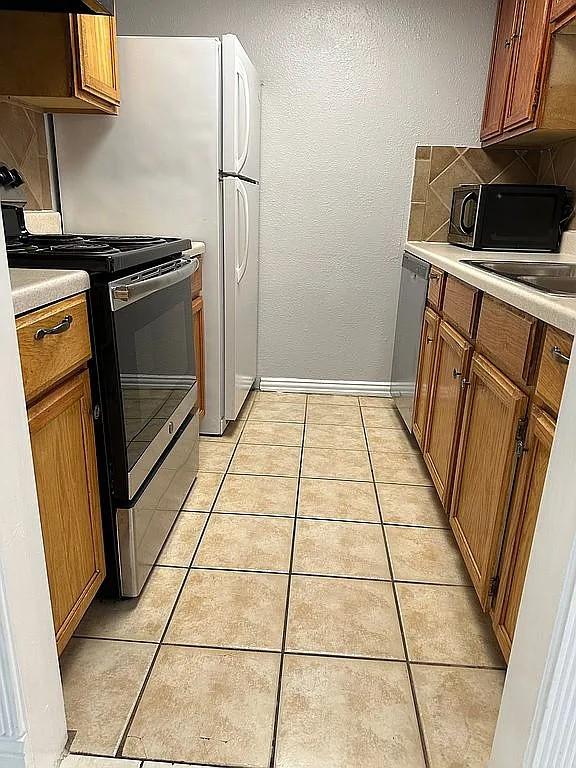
(241, 268)
(243, 81)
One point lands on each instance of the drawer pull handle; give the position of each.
(556, 353)
(456, 374)
(434, 276)
(55, 330)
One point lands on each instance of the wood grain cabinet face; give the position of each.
(198, 320)
(424, 379)
(435, 287)
(556, 351)
(521, 525)
(498, 77)
(460, 305)
(560, 7)
(451, 364)
(97, 58)
(63, 449)
(486, 461)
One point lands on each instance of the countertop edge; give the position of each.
(35, 288)
(558, 311)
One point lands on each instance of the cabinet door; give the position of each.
(95, 59)
(521, 525)
(497, 87)
(424, 379)
(527, 46)
(63, 449)
(198, 318)
(445, 410)
(486, 462)
(560, 7)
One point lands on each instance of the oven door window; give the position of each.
(155, 345)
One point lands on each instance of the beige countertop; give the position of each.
(33, 288)
(559, 311)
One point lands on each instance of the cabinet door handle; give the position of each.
(557, 354)
(456, 374)
(435, 276)
(429, 339)
(464, 383)
(55, 330)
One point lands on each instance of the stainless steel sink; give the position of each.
(556, 278)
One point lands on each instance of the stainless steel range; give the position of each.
(144, 381)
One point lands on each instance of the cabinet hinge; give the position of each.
(494, 583)
(521, 437)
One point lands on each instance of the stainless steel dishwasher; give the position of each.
(411, 304)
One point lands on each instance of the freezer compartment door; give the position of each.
(241, 106)
(241, 245)
(142, 528)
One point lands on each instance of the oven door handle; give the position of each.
(126, 294)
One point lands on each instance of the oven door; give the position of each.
(463, 215)
(154, 338)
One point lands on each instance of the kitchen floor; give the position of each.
(310, 610)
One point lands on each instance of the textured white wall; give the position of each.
(350, 88)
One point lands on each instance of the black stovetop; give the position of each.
(93, 253)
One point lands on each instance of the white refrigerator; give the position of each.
(182, 159)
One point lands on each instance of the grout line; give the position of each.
(401, 625)
(287, 605)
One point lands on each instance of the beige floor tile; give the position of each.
(247, 406)
(215, 456)
(411, 505)
(390, 440)
(331, 436)
(226, 608)
(459, 709)
(425, 554)
(402, 468)
(369, 401)
(281, 410)
(244, 541)
(272, 433)
(230, 435)
(446, 625)
(346, 617)
(203, 493)
(294, 398)
(381, 418)
(338, 415)
(340, 549)
(331, 463)
(346, 713)
(141, 618)
(182, 542)
(101, 681)
(279, 460)
(258, 494)
(207, 706)
(338, 499)
(332, 400)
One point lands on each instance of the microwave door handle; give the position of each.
(467, 199)
(124, 295)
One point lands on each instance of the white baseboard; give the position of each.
(326, 386)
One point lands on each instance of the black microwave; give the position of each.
(508, 217)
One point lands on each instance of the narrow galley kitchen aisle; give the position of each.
(309, 610)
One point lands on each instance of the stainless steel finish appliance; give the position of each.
(143, 527)
(508, 217)
(411, 303)
(559, 279)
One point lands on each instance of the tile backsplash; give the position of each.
(558, 166)
(437, 170)
(23, 146)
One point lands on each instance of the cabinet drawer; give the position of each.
(460, 305)
(435, 287)
(553, 367)
(48, 357)
(507, 337)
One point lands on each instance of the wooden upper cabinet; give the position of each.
(521, 525)
(424, 379)
(560, 7)
(497, 87)
(493, 414)
(60, 62)
(445, 409)
(64, 453)
(527, 46)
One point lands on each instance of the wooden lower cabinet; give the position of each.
(64, 453)
(198, 319)
(521, 525)
(425, 368)
(493, 414)
(451, 364)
